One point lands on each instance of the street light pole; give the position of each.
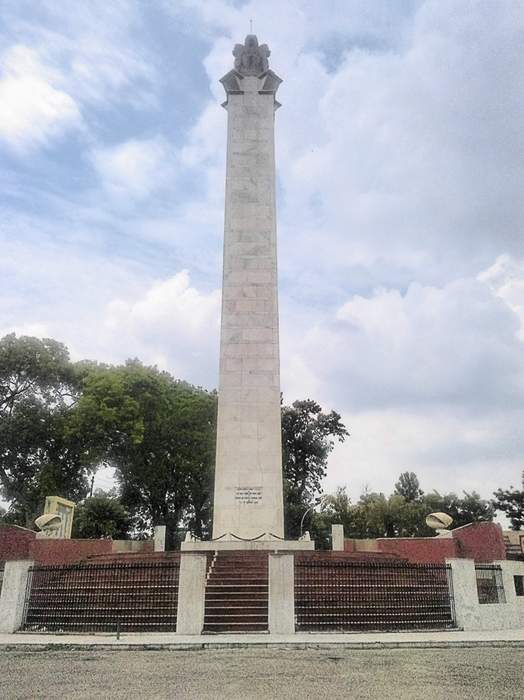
(319, 501)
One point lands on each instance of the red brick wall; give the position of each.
(420, 550)
(67, 551)
(15, 542)
(483, 542)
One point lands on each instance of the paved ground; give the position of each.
(371, 674)
(301, 640)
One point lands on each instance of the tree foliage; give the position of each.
(408, 486)
(377, 515)
(511, 502)
(40, 453)
(101, 515)
(158, 434)
(308, 437)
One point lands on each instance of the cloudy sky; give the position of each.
(400, 158)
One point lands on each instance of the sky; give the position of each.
(400, 163)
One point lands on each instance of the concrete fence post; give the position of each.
(507, 570)
(465, 593)
(159, 538)
(337, 538)
(281, 593)
(191, 593)
(12, 597)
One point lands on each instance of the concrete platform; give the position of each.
(378, 640)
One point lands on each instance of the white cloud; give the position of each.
(34, 108)
(172, 324)
(447, 449)
(454, 345)
(134, 167)
(506, 279)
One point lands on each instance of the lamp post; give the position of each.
(318, 502)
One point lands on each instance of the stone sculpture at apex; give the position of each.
(250, 58)
(248, 498)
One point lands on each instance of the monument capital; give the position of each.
(250, 57)
(251, 72)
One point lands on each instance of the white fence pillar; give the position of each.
(465, 593)
(159, 538)
(472, 615)
(12, 597)
(337, 538)
(281, 593)
(191, 593)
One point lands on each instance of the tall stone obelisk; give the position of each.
(248, 500)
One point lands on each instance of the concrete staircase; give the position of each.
(237, 592)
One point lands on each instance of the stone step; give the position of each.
(235, 627)
(236, 599)
(240, 570)
(236, 581)
(235, 620)
(225, 605)
(238, 589)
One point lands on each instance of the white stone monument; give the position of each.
(248, 497)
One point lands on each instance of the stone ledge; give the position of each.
(254, 545)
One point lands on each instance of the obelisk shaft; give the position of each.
(248, 499)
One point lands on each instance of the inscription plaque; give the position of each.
(248, 494)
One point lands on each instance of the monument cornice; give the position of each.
(269, 82)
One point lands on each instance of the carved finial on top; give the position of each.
(250, 58)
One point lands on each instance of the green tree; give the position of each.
(408, 486)
(511, 502)
(101, 515)
(159, 436)
(469, 508)
(40, 454)
(308, 437)
(376, 515)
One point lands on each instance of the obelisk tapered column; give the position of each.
(248, 499)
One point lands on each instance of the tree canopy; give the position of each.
(158, 434)
(101, 515)
(511, 502)
(308, 437)
(378, 515)
(40, 453)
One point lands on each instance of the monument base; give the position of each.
(247, 545)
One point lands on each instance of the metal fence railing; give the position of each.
(339, 595)
(102, 597)
(490, 586)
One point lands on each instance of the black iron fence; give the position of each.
(490, 587)
(137, 597)
(345, 596)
